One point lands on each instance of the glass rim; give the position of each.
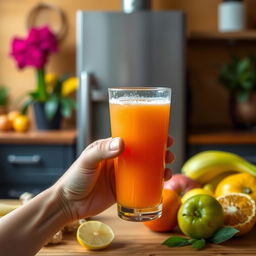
(140, 89)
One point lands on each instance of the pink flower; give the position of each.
(18, 51)
(35, 49)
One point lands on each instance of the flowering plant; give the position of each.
(34, 51)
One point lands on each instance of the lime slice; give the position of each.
(94, 235)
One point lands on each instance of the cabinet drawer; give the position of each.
(37, 164)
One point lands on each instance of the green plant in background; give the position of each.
(239, 76)
(53, 92)
(57, 95)
(4, 93)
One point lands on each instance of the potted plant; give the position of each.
(48, 105)
(239, 77)
(3, 100)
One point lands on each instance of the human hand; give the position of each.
(88, 187)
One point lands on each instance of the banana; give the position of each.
(216, 180)
(209, 165)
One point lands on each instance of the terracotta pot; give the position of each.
(244, 114)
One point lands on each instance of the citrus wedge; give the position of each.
(239, 211)
(94, 235)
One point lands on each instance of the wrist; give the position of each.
(63, 204)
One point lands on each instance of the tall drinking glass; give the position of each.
(140, 116)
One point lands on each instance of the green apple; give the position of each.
(200, 216)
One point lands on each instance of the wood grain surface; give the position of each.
(215, 35)
(233, 137)
(39, 137)
(135, 239)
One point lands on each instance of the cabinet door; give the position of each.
(34, 164)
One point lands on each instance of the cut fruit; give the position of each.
(239, 211)
(94, 235)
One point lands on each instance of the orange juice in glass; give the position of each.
(140, 116)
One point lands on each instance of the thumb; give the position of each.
(100, 150)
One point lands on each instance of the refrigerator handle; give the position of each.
(84, 124)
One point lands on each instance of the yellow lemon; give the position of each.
(50, 80)
(196, 191)
(21, 123)
(94, 235)
(13, 115)
(69, 86)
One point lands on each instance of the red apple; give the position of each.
(181, 184)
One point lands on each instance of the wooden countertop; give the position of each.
(39, 137)
(222, 136)
(135, 238)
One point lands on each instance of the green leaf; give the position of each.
(57, 87)
(64, 77)
(199, 244)
(66, 106)
(41, 86)
(243, 65)
(26, 104)
(247, 85)
(176, 241)
(3, 95)
(34, 96)
(223, 234)
(239, 75)
(51, 107)
(243, 96)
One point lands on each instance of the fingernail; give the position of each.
(114, 144)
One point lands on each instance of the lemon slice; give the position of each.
(94, 235)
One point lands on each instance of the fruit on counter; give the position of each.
(239, 183)
(196, 191)
(21, 123)
(207, 165)
(12, 115)
(215, 181)
(200, 216)
(5, 123)
(239, 211)
(168, 220)
(94, 235)
(181, 184)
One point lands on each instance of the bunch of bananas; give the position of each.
(210, 167)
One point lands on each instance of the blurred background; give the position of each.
(217, 97)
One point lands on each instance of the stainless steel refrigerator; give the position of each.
(129, 48)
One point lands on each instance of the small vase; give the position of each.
(244, 113)
(42, 122)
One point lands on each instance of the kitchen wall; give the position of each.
(203, 59)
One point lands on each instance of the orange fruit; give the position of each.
(5, 123)
(168, 220)
(237, 183)
(239, 211)
(12, 115)
(21, 123)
